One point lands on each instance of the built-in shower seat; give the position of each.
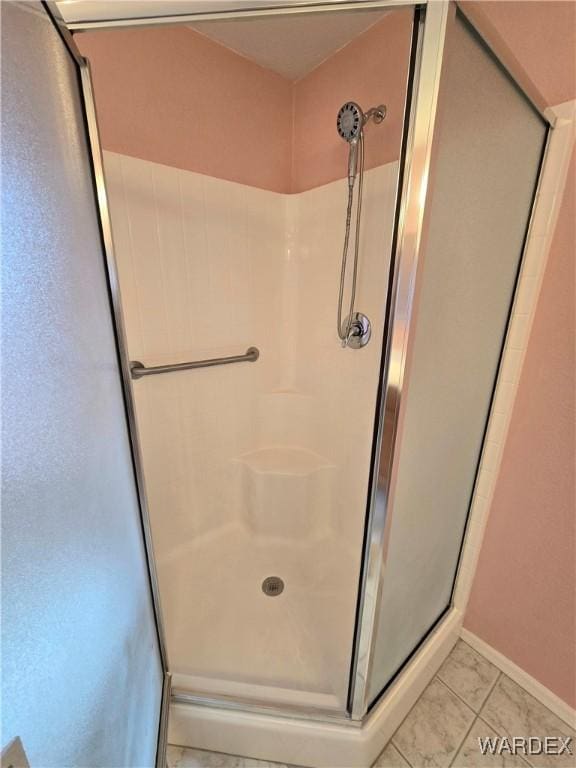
(285, 492)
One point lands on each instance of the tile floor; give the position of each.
(468, 698)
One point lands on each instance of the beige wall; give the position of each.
(522, 600)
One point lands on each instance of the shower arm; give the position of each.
(375, 113)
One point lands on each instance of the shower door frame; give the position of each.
(433, 20)
(410, 237)
(103, 213)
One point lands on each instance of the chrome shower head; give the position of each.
(350, 121)
(349, 124)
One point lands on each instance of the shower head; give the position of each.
(350, 121)
(349, 124)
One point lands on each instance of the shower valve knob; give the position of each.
(360, 331)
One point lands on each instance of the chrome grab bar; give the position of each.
(137, 369)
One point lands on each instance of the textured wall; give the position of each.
(522, 601)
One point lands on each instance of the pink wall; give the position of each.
(372, 69)
(174, 97)
(539, 36)
(523, 600)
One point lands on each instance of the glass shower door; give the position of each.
(489, 147)
(82, 667)
(257, 473)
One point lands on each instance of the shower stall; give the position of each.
(308, 483)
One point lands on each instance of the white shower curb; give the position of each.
(315, 743)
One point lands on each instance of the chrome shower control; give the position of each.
(360, 331)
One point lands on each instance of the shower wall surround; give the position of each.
(255, 469)
(258, 469)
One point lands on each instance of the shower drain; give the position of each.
(273, 586)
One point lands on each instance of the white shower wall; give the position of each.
(193, 254)
(259, 468)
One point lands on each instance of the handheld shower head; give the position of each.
(350, 121)
(349, 124)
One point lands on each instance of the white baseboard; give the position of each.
(545, 696)
(315, 743)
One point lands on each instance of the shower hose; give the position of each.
(345, 326)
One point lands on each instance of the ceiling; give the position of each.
(291, 45)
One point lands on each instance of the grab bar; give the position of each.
(137, 369)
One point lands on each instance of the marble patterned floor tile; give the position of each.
(181, 757)
(390, 758)
(470, 756)
(468, 674)
(435, 727)
(512, 711)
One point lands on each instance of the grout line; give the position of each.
(477, 714)
(493, 725)
(487, 724)
(416, 703)
(490, 692)
(391, 740)
(457, 695)
(402, 755)
(460, 745)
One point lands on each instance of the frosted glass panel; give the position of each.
(489, 148)
(81, 674)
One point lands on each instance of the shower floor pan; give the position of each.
(227, 638)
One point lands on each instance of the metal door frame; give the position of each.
(103, 216)
(410, 236)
